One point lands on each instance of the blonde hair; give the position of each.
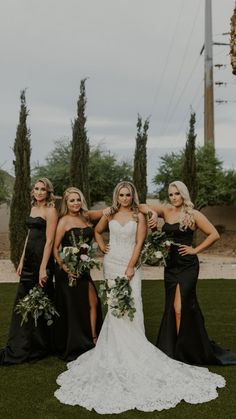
(186, 216)
(50, 198)
(64, 209)
(135, 201)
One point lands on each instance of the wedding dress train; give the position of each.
(125, 371)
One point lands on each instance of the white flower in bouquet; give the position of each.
(111, 283)
(70, 249)
(84, 246)
(158, 254)
(84, 258)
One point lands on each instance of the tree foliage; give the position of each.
(57, 167)
(215, 185)
(80, 146)
(104, 171)
(189, 174)
(4, 189)
(170, 169)
(20, 203)
(140, 159)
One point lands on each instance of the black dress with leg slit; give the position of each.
(191, 345)
(72, 330)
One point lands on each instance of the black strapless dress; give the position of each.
(72, 330)
(27, 342)
(192, 344)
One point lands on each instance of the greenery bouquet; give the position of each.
(36, 303)
(156, 249)
(116, 294)
(78, 258)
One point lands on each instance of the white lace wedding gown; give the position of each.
(125, 371)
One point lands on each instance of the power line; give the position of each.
(164, 125)
(163, 73)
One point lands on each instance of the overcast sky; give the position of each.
(140, 56)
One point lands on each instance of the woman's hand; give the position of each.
(104, 248)
(107, 211)
(42, 277)
(152, 219)
(186, 250)
(129, 273)
(19, 268)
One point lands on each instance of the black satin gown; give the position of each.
(72, 330)
(192, 344)
(27, 342)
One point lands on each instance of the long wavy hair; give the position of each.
(50, 198)
(186, 216)
(64, 208)
(135, 201)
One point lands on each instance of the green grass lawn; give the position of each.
(26, 391)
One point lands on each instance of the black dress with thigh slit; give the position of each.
(72, 330)
(192, 344)
(27, 342)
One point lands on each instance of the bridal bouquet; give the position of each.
(36, 303)
(78, 258)
(116, 294)
(156, 249)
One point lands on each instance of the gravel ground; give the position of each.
(211, 266)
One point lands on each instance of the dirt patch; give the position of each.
(4, 246)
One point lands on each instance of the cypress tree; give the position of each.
(20, 203)
(140, 159)
(189, 171)
(79, 174)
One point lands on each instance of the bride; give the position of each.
(125, 371)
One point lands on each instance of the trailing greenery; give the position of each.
(215, 185)
(79, 172)
(27, 390)
(20, 203)
(140, 159)
(104, 171)
(189, 174)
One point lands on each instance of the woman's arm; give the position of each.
(99, 229)
(51, 223)
(94, 214)
(158, 208)
(140, 237)
(60, 231)
(206, 227)
(21, 263)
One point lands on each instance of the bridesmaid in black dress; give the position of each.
(77, 328)
(27, 342)
(182, 334)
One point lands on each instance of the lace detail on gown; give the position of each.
(125, 371)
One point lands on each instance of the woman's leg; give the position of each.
(177, 308)
(93, 302)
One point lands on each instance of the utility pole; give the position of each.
(208, 79)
